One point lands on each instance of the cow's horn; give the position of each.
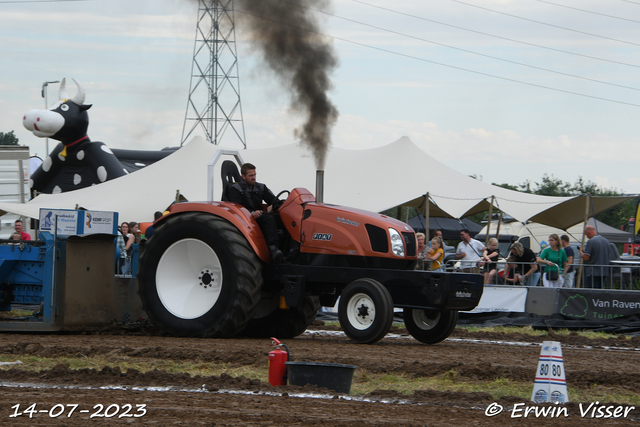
(62, 92)
(80, 96)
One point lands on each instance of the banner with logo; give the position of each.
(597, 304)
(99, 222)
(72, 222)
(65, 219)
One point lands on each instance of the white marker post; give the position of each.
(550, 384)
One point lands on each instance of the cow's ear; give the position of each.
(84, 107)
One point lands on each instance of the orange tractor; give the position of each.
(206, 272)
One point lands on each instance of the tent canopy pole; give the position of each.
(486, 238)
(584, 236)
(426, 217)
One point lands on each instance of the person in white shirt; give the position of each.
(469, 252)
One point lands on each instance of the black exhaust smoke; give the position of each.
(287, 34)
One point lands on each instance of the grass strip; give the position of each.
(364, 382)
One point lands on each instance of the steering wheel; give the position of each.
(282, 192)
(278, 202)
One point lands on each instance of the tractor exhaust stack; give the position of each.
(319, 186)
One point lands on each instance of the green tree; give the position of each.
(618, 216)
(8, 138)
(507, 186)
(552, 186)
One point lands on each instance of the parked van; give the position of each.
(535, 236)
(532, 235)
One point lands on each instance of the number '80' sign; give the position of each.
(556, 370)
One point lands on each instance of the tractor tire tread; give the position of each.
(246, 265)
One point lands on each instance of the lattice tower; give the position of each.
(214, 105)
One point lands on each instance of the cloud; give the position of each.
(505, 156)
(58, 25)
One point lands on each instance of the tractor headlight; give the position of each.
(397, 244)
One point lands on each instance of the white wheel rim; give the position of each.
(189, 278)
(424, 322)
(361, 311)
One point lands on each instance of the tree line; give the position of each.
(8, 138)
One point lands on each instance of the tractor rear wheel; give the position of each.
(271, 321)
(199, 277)
(430, 327)
(365, 311)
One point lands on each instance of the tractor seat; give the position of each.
(230, 176)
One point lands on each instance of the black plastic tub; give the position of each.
(333, 376)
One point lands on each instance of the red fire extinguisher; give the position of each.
(277, 368)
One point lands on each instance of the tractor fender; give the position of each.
(234, 213)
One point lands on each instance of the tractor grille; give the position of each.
(410, 243)
(378, 238)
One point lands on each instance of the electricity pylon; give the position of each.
(214, 94)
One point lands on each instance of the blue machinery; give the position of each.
(24, 270)
(67, 280)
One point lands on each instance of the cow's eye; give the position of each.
(64, 107)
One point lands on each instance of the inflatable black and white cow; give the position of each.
(78, 162)
(87, 162)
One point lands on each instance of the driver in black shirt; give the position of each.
(250, 194)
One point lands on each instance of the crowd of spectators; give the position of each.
(553, 267)
(130, 235)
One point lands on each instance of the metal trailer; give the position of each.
(67, 282)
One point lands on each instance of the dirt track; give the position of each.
(214, 401)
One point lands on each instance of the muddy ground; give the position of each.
(169, 399)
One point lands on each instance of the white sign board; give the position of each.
(67, 221)
(502, 298)
(99, 222)
(78, 222)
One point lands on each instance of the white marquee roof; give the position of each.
(374, 179)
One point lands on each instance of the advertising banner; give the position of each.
(100, 222)
(78, 222)
(67, 221)
(502, 298)
(597, 304)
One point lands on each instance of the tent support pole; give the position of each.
(486, 238)
(584, 237)
(426, 218)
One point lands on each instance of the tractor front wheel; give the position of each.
(365, 311)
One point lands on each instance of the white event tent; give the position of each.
(374, 179)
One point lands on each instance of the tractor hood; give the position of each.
(339, 230)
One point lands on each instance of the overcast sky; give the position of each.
(505, 90)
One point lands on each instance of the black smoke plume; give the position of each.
(287, 34)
